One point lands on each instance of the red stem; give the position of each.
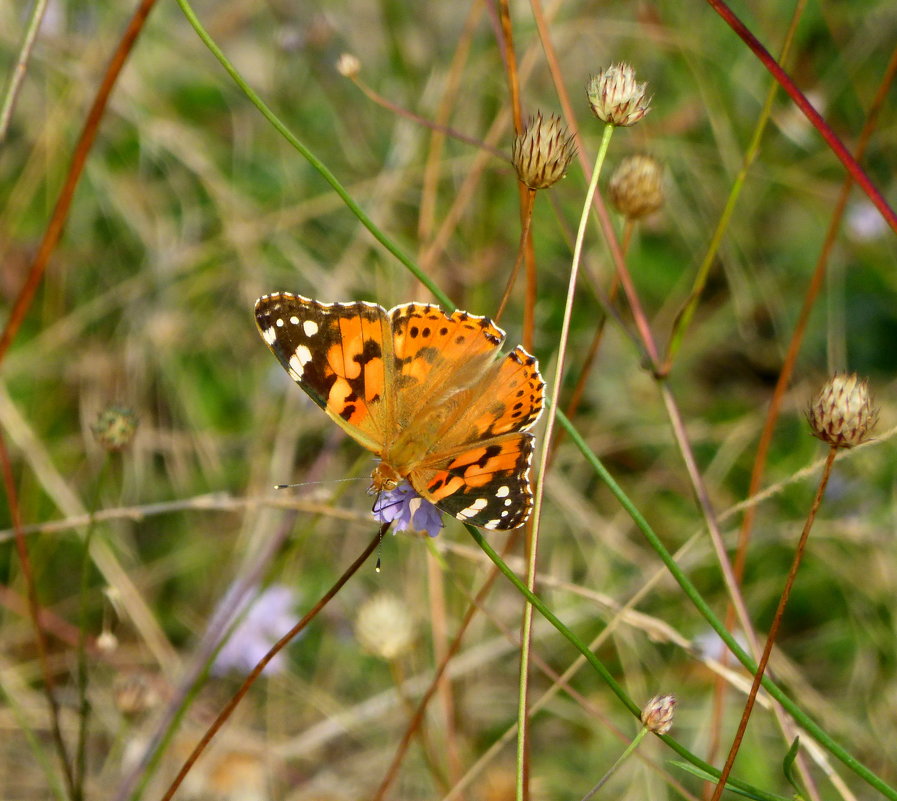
(811, 114)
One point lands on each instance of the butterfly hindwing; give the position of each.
(486, 485)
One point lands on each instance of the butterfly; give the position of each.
(427, 392)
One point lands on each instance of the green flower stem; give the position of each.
(526, 634)
(630, 749)
(683, 319)
(694, 596)
(315, 162)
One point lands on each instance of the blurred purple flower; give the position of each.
(268, 619)
(864, 222)
(404, 507)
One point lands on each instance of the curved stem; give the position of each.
(315, 162)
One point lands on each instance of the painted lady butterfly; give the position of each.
(427, 392)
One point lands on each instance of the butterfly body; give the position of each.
(429, 393)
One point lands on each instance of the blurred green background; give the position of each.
(191, 206)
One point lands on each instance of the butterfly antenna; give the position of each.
(312, 483)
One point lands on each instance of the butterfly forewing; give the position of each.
(438, 355)
(335, 352)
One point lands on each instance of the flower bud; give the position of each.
(842, 414)
(542, 152)
(636, 187)
(658, 713)
(616, 97)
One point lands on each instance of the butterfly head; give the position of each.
(383, 479)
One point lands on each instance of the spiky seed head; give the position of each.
(542, 152)
(843, 413)
(348, 65)
(636, 186)
(616, 97)
(115, 427)
(657, 715)
(384, 626)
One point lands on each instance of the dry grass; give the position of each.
(191, 206)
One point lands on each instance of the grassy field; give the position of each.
(696, 340)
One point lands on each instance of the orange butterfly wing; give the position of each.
(428, 392)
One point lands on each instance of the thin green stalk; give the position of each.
(685, 315)
(80, 770)
(630, 749)
(526, 636)
(36, 743)
(315, 162)
(802, 719)
(17, 74)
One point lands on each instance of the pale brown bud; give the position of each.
(616, 97)
(384, 626)
(842, 414)
(636, 187)
(348, 65)
(542, 152)
(658, 713)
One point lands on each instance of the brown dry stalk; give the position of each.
(776, 623)
(56, 225)
(35, 615)
(524, 238)
(231, 705)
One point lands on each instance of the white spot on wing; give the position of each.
(269, 335)
(298, 360)
(310, 327)
(502, 492)
(477, 506)
(294, 320)
(279, 322)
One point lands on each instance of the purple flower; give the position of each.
(268, 619)
(404, 507)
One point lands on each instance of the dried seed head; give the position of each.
(542, 152)
(348, 65)
(384, 626)
(616, 97)
(842, 414)
(115, 427)
(658, 713)
(636, 187)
